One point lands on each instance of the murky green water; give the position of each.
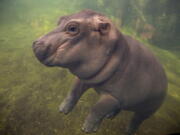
(30, 93)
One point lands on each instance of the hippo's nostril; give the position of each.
(34, 42)
(38, 42)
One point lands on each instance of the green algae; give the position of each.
(30, 93)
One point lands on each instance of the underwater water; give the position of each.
(31, 93)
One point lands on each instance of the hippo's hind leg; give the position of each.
(144, 112)
(136, 121)
(103, 107)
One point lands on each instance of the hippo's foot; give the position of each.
(130, 130)
(66, 106)
(128, 133)
(112, 114)
(90, 127)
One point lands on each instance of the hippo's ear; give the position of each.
(104, 28)
(60, 19)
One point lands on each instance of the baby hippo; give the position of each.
(124, 73)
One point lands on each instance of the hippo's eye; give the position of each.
(72, 28)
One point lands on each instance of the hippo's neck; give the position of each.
(116, 60)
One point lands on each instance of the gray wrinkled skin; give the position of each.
(124, 72)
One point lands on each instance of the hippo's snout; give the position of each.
(41, 50)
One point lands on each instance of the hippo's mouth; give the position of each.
(62, 47)
(46, 53)
(52, 53)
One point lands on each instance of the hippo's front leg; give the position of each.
(70, 101)
(103, 107)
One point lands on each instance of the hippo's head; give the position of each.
(82, 42)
